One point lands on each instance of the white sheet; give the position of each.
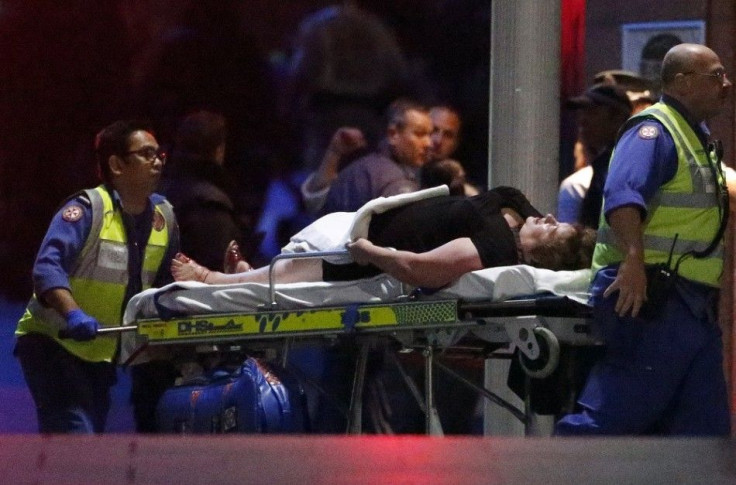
(496, 284)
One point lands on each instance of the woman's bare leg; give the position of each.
(286, 271)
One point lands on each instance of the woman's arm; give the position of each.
(515, 199)
(432, 269)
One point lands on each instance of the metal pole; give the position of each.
(523, 148)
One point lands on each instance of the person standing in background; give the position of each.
(197, 185)
(575, 186)
(346, 68)
(393, 168)
(446, 125)
(601, 109)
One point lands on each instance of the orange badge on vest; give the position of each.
(72, 213)
(158, 221)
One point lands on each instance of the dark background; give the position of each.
(70, 68)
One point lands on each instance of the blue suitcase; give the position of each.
(252, 399)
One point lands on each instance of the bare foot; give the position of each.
(234, 262)
(184, 268)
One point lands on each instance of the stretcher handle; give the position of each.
(306, 255)
(64, 334)
(120, 329)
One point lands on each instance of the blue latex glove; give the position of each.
(79, 326)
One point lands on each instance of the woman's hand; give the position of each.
(361, 250)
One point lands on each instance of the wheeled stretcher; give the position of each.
(530, 309)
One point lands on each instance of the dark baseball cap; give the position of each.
(601, 95)
(627, 80)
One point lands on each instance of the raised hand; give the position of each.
(346, 140)
(234, 262)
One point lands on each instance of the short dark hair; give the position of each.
(443, 172)
(570, 253)
(114, 139)
(658, 45)
(396, 112)
(199, 134)
(609, 95)
(447, 107)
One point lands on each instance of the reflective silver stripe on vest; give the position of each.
(167, 210)
(685, 201)
(701, 176)
(98, 214)
(663, 244)
(109, 265)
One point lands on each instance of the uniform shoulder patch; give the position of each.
(648, 132)
(72, 213)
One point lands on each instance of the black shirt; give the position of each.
(427, 224)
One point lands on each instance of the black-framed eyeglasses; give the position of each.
(720, 75)
(149, 154)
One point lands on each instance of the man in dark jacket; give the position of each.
(197, 188)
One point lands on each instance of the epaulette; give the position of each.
(84, 199)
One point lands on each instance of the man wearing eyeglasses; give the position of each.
(659, 260)
(103, 246)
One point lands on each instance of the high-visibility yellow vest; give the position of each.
(686, 206)
(100, 276)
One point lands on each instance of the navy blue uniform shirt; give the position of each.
(641, 165)
(65, 239)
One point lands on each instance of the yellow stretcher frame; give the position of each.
(427, 324)
(283, 323)
(438, 323)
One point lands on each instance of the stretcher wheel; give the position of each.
(549, 355)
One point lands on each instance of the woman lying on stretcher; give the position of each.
(432, 242)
